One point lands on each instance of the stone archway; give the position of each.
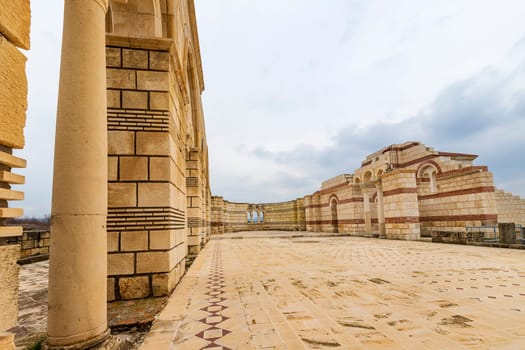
(333, 211)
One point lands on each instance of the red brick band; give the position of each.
(479, 217)
(483, 189)
(400, 191)
(402, 220)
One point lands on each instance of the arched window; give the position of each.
(429, 172)
(254, 217)
(248, 216)
(261, 216)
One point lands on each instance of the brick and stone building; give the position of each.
(402, 191)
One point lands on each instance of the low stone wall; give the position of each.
(34, 243)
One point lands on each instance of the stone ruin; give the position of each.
(131, 194)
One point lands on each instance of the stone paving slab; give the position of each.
(345, 293)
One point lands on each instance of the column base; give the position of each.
(92, 343)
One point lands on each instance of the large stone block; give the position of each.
(9, 286)
(121, 264)
(134, 240)
(159, 60)
(121, 142)
(120, 78)
(113, 57)
(152, 262)
(153, 143)
(134, 287)
(135, 99)
(134, 59)
(122, 195)
(133, 168)
(15, 20)
(154, 194)
(13, 93)
(152, 81)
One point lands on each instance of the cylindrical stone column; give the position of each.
(366, 210)
(380, 209)
(77, 315)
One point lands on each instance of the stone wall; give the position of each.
(233, 217)
(158, 187)
(402, 191)
(511, 208)
(9, 285)
(14, 34)
(34, 243)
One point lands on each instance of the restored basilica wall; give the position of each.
(233, 217)
(159, 196)
(511, 208)
(15, 19)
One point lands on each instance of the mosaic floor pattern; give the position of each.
(345, 293)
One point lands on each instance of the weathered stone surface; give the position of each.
(7, 341)
(134, 241)
(133, 168)
(121, 264)
(13, 92)
(135, 59)
(15, 20)
(122, 194)
(134, 287)
(9, 285)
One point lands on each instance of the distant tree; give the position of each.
(32, 223)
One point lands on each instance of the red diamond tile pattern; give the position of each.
(214, 308)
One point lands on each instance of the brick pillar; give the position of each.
(146, 209)
(401, 205)
(194, 202)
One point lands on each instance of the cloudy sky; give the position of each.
(298, 91)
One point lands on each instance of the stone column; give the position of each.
(77, 316)
(380, 209)
(366, 210)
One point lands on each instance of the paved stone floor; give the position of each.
(345, 293)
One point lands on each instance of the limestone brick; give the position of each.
(13, 89)
(152, 143)
(134, 241)
(111, 289)
(15, 19)
(153, 262)
(113, 241)
(7, 341)
(9, 285)
(160, 284)
(159, 100)
(121, 142)
(113, 98)
(121, 78)
(152, 81)
(159, 168)
(161, 239)
(133, 168)
(113, 57)
(121, 264)
(112, 168)
(135, 99)
(153, 194)
(134, 287)
(122, 194)
(135, 58)
(159, 60)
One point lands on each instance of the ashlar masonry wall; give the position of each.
(14, 35)
(146, 209)
(233, 217)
